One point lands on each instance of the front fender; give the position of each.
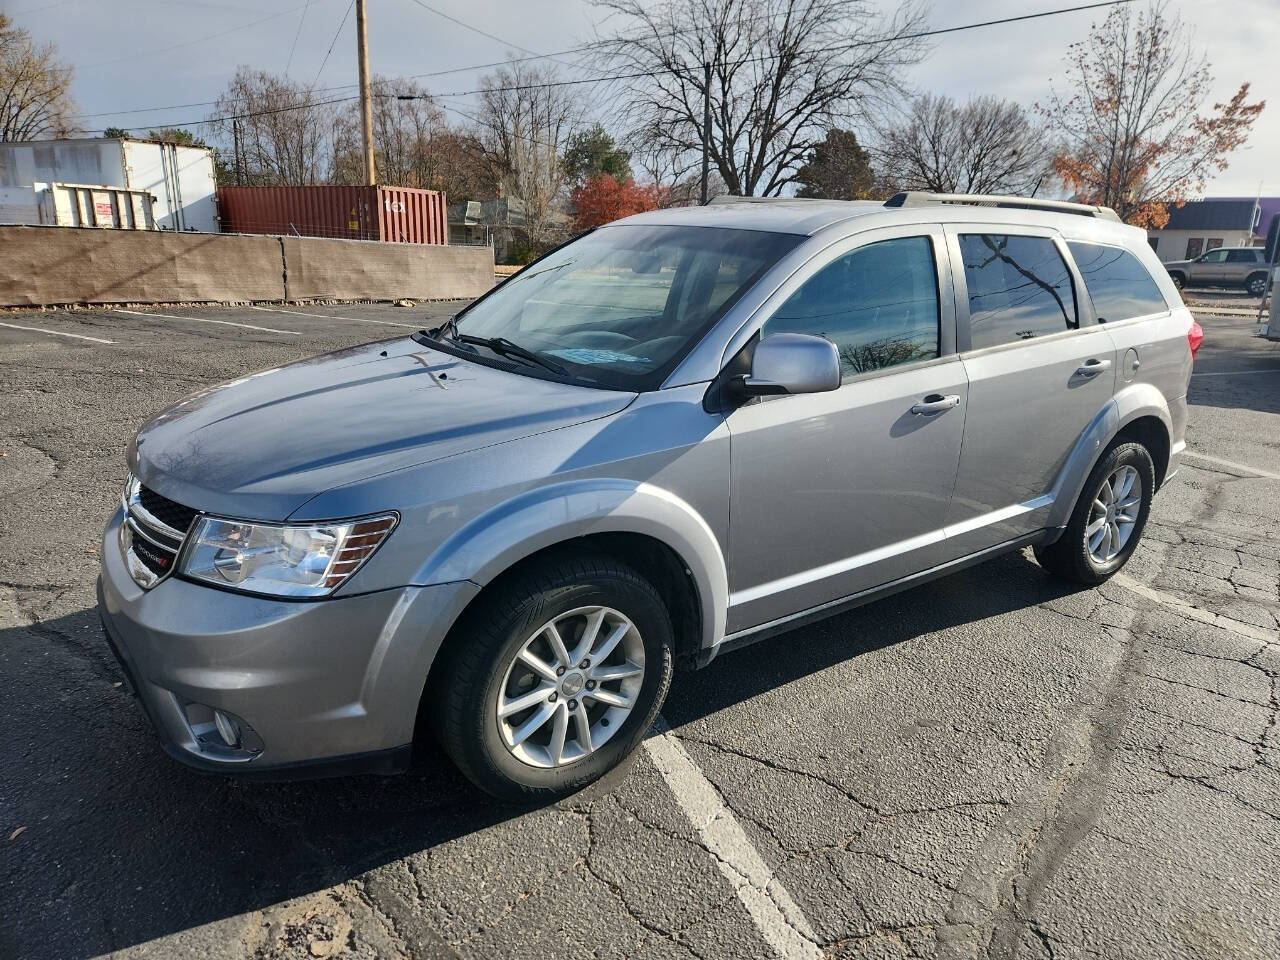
(1130, 403)
(502, 536)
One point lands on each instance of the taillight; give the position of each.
(1195, 337)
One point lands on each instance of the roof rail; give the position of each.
(725, 198)
(915, 198)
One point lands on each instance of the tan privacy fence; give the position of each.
(46, 266)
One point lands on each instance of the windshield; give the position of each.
(621, 306)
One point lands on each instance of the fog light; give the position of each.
(228, 729)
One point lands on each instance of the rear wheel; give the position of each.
(1108, 519)
(1256, 284)
(555, 678)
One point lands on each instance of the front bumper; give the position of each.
(323, 687)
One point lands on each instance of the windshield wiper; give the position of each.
(448, 328)
(504, 347)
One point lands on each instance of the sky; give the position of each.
(130, 54)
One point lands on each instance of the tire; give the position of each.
(1071, 555)
(1256, 285)
(481, 670)
(1178, 279)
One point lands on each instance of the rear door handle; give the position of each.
(934, 404)
(1091, 368)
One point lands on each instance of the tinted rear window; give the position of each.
(1118, 283)
(1019, 288)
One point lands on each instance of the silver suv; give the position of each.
(1223, 267)
(673, 436)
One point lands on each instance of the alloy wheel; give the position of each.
(1113, 514)
(571, 686)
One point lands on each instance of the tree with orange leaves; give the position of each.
(1135, 132)
(603, 199)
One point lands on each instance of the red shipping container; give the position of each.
(390, 214)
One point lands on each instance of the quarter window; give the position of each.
(1118, 283)
(878, 304)
(1019, 288)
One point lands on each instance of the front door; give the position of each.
(1040, 372)
(1209, 270)
(834, 493)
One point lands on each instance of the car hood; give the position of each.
(260, 447)
(1177, 263)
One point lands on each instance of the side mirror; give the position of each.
(791, 363)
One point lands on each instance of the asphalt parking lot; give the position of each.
(994, 765)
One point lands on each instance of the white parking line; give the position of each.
(56, 333)
(776, 915)
(225, 323)
(1192, 456)
(1187, 609)
(325, 316)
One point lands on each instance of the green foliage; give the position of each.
(592, 152)
(115, 133)
(837, 169)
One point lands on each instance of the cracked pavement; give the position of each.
(994, 765)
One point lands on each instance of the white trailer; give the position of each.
(180, 178)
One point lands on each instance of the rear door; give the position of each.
(1240, 264)
(1040, 371)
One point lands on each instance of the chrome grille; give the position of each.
(152, 534)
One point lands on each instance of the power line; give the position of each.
(188, 43)
(336, 34)
(913, 36)
(297, 33)
(473, 29)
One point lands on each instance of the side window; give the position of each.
(1241, 256)
(1019, 288)
(878, 304)
(1118, 283)
(1215, 255)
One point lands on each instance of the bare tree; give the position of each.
(414, 144)
(1137, 134)
(526, 121)
(34, 85)
(281, 130)
(782, 72)
(986, 145)
(675, 172)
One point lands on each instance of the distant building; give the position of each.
(500, 223)
(1200, 225)
(180, 179)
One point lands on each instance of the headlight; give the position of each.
(282, 560)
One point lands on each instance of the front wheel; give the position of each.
(555, 678)
(1178, 279)
(1108, 519)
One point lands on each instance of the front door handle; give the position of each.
(934, 404)
(1091, 368)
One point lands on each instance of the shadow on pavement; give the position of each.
(122, 845)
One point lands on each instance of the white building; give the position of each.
(180, 178)
(1200, 225)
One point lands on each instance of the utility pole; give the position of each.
(366, 102)
(235, 140)
(706, 129)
